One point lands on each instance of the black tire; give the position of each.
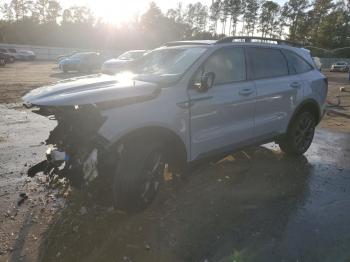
(299, 135)
(2, 62)
(139, 174)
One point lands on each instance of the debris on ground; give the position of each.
(23, 197)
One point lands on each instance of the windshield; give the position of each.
(166, 65)
(78, 56)
(131, 55)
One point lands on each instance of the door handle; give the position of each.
(246, 92)
(295, 85)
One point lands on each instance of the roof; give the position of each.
(235, 39)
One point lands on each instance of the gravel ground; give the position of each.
(255, 205)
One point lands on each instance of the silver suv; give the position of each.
(182, 102)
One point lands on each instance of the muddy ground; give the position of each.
(254, 205)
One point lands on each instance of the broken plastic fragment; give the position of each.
(90, 166)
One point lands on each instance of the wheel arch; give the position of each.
(310, 105)
(176, 150)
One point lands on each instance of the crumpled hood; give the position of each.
(89, 90)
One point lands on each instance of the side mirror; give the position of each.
(206, 82)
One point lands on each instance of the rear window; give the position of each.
(267, 63)
(297, 65)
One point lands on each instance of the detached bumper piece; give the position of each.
(54, 159)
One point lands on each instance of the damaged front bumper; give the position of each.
(75, 148)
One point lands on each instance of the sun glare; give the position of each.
(117, 12)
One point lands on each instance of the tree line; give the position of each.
(319, 23)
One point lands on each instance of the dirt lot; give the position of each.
(254, 205)
(18, 78)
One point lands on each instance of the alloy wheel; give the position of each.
(304, 133)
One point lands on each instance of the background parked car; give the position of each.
(340, 66)
(2, 59)
(121, 62)
(61, 57)
(81, 62)
(21, 54)
(9, 58)
(26, 55)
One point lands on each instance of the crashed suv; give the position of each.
(182, 102)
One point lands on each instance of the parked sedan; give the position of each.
(9, 58)
(81, 62)
(2, 59)
(61, 57)
(112, 66)
(340, 66)
(26, 55)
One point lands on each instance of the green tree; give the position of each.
(214, 15)
(47, 11)
(268, 19)
(77, 15)
(251, 16)
(293, 11)
(18, 8)
(7, 12)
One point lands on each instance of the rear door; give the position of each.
(278, 92)
(223, 116)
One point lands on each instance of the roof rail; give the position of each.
(248, 39)
(190, 42)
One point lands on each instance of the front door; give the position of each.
(222, 118)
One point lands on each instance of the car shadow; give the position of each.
(219, 211)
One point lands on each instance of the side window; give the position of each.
(228, 64)
(267, 62)
(297, 65)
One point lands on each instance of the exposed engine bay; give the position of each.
(75, 149)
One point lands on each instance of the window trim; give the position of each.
(251, 75)
(297, 55)
(226, 83)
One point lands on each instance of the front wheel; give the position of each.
(139, 174)
(299, 135)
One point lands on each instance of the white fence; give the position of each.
(51, 53)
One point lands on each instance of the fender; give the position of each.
(309, 104)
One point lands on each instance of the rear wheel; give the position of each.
(2, 62)
(139, 174)
(299, 135)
